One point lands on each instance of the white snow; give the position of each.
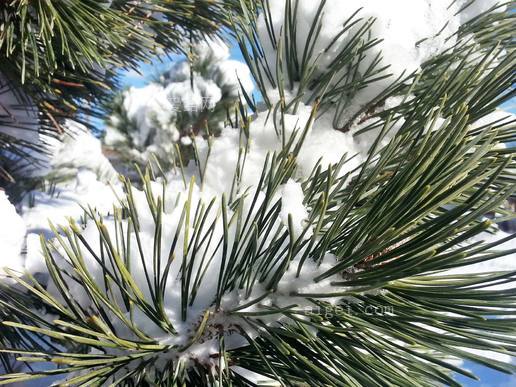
(230, 74)
(291, 197)
(292, 205)
(155, 109)
(221, 170)
(64, 201)
(204, 94)
(322, 144)
(58, 205)
(501, 357)
(12, 235)
(411, 33)
(81, 150)
(498, 117)
(143, 106)
(211, 50)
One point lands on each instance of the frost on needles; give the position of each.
(338, 228)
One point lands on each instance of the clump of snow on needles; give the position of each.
(406, 33)
(188, 88)
(12, 235)
(82, 178)
(80, 150)
(292, 197)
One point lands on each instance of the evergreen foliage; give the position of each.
(181, 287)
(192, 99)
(59, 60)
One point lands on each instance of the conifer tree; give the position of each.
(341, 232)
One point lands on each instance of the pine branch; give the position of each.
(179, 288)
(64, 55)
(413, 238)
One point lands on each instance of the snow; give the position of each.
(322, 144)
(204, 94)
(211, 50)
(81, 150)
(231, 73)
(34, 261)
(156, 112)
(143, 106)
(80, 174)
(498, 117)
(410, 33)
(291, 196)
(65, 200)
(501, 357)
(12, 236)
(292, 205)
(222, 162)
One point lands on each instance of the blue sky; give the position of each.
(488, 377)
